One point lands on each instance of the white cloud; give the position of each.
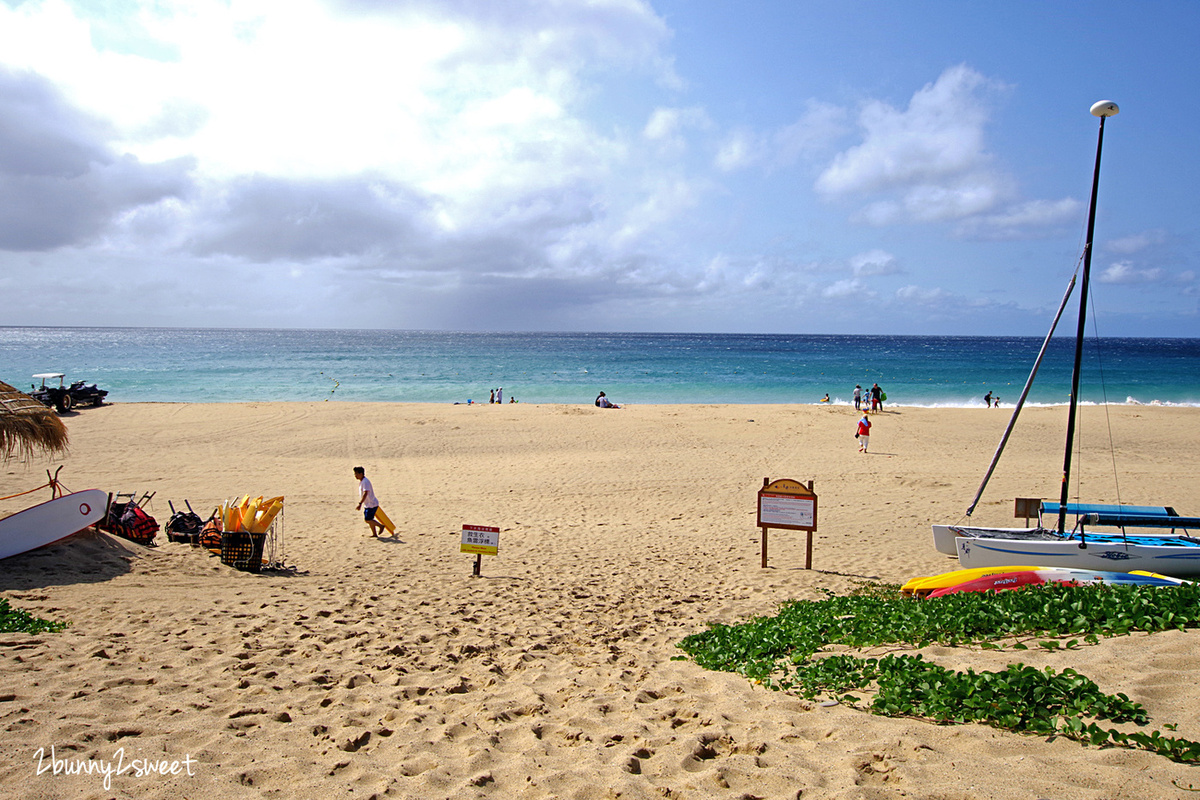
(1137, 242)
(300, 88)
(470, 107)
(848, 287)
(442, 155)
(666, 200)
(928, 161)
(1023, 219)
(1125, 272)
(741, 148)
(874, 263)
(939, 136)
(817, 129)
(921, 295)
(668, 127)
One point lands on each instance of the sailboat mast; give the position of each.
(1103, 109)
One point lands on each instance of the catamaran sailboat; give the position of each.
(1162, 541)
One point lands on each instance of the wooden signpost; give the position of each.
(482, 540)
(788, 504)
(1027, 507)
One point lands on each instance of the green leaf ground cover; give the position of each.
(14, 620)
(784, 652)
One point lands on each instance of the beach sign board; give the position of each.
(787, 504)
(480, 540)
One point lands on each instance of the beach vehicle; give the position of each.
(1174, 553)
(63, 397)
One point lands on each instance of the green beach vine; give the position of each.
(14, 620)
(784, 652)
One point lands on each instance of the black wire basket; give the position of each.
(242, 550)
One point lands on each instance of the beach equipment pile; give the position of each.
(129, 519)
(249, 515)
(245, 526)
(184, 526)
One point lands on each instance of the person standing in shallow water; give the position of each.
(857, 397)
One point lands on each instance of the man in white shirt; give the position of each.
(367, 502)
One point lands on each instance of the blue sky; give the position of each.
(806, 167)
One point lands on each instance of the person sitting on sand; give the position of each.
(603, 402)
(368, 503)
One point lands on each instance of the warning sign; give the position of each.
(480, 540)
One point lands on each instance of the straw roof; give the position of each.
(27, 425)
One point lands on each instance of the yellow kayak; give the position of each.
(383, 520)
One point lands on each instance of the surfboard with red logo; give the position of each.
(48, 522)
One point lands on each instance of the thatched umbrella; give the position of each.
(27, 425)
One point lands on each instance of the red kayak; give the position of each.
(1005, 580)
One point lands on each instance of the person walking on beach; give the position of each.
(987, 398)
(492, 398)
(500, 395)
(367, 502)
(876, 397)
(864, 433)
(857, 397)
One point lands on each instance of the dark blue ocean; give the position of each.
(215, 365)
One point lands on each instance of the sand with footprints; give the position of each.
(383, 668)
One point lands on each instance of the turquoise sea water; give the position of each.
(215, 365)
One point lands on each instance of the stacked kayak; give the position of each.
(985, 579)
(249, 515)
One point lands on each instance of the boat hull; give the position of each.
(1176, 560)
(945, 537)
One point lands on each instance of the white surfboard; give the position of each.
(50, 521)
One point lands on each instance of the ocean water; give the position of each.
(220, 365)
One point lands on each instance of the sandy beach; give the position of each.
(384, 669)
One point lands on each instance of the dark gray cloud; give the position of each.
(61, 183)
(379, 225)
(269, 219)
